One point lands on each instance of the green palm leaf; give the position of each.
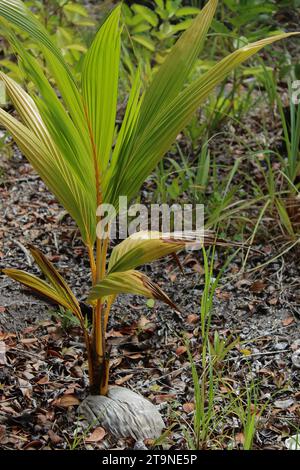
(100, 87)
(37, 285)
(148, 148)
(129, 282)
(56, 280)
(58, 290)
(145, 247)
(73, 125)
(175, 70)
(166, 85)
(57, 172)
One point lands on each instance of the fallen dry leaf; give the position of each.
(288, 321)
(30, 329)
(25, 387)
(192, 319)
(66, 401)
(115, 362)
(224, 389)
(143, 321)
(114, 334)
(284, 404)
(96, 436)
(198, 268)
(257, 287)
(180, 350)
(164, 397)
(123, 379)
(77, 371)
(27, 375)
(3, 360)
(50, 415)
(188, 407)
(43, 380)
(28, 340)
(53, 353)
(4, 336)
(295, 345)
(240, 438)
(266, 372)
(144, 325)
(2, 432)
(223, 295)
(33, 444)
(133, 355)
(54, 438)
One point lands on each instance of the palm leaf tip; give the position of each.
(158, 293)
(55, 279)
(36, 285)
(56, 289)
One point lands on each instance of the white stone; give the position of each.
(283, 404)
(293, 442)
(296, 359)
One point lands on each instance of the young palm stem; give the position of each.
(99, 362)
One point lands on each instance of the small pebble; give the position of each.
(296, 359)
(296, 345)
(280, 346)
(283, 404)
(293, 442)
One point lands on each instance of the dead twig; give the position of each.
(25, 251)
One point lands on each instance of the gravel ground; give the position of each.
(43, 372)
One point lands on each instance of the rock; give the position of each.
(281, 346)
(122, 413)
(293, 442)
(296, 359)
(296, 345)
(284, 404)
(139, 445)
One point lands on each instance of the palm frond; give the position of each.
(147, 149)
(100, 87)
(36, 143)
(129, 282)
(145, 247)
(36, 285)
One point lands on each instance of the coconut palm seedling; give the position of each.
(73, 144)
